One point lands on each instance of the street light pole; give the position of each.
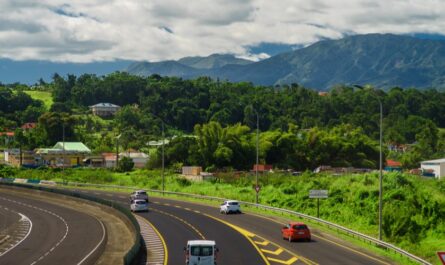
(257, 190)
(163, 161)
(381, 172)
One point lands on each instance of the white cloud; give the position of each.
(98, 30)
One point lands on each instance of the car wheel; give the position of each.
(308, 239)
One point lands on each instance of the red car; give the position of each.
(295, 230)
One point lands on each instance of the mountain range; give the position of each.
(381, 60)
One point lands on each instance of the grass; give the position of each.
(44, 96)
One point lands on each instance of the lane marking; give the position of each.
(264, 243)
(46, 211)
(25, 219)
(288, 262)
(330, 241)
(181, 220)
(276, 252)
(243, 232)
(250, 235)
(100, 242)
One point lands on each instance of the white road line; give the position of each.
(49, 212)
(24, 219)
(100, 242)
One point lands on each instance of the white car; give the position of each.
(230, 207)
(139, 205)
(202, 252)
(139, 195)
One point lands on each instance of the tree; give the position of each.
(125, 164)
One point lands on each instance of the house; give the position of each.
(109, 160)
(12, 157)
(262, 168)
(139, 158)
(392, 165)
(104, 109)
(196, 174)
(63, 154)
(434, 168)
(29, 126)
(7, 136)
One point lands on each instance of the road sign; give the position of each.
(441, 255)
(321, 194)
(257, 188)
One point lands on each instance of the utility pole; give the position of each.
(381, 172)
(163, 159)
(63, 147)
(257, 190)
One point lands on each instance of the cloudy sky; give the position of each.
(107, 30)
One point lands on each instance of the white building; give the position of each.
(104, 109)
(437, 167)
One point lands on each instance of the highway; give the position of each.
(242, 238)
(52, 234)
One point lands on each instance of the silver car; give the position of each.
(230, 207)
(139, 195)
(139, 206)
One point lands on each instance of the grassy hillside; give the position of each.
(413, 214)
(41, 95)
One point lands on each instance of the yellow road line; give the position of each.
(330, 241)
(181, 220)
(164, 245)
(264, 243)
(243, 232)
(287, 262)
(276, 252)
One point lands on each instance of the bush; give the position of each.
(125, 164)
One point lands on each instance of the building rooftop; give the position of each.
(72, 146)
(109, 105)
(442, 160)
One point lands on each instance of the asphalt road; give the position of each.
(58, 236)
(241, 238)
(7, 218)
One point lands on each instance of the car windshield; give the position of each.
(300, 227)
(233, 203)
(140, 202)
(201, 251)
(142, 193)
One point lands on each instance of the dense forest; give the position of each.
(299, 128)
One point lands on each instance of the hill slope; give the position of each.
(382, 60)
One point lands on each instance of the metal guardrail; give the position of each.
(132, 253)
(275, 209)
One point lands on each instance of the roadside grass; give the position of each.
(44, 96)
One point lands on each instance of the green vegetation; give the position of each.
(44, 96)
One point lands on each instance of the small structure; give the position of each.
(12, 157)
(140, 159)
(262, 168)
(109, 160)
(392, 165)
(434, 168)
(7, 136)
(94, 161)
(29, 126)
(63, 154)
(196, 174)
(104, 109)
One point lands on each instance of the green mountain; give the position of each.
(381, 60)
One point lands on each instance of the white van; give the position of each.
(200, 252)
